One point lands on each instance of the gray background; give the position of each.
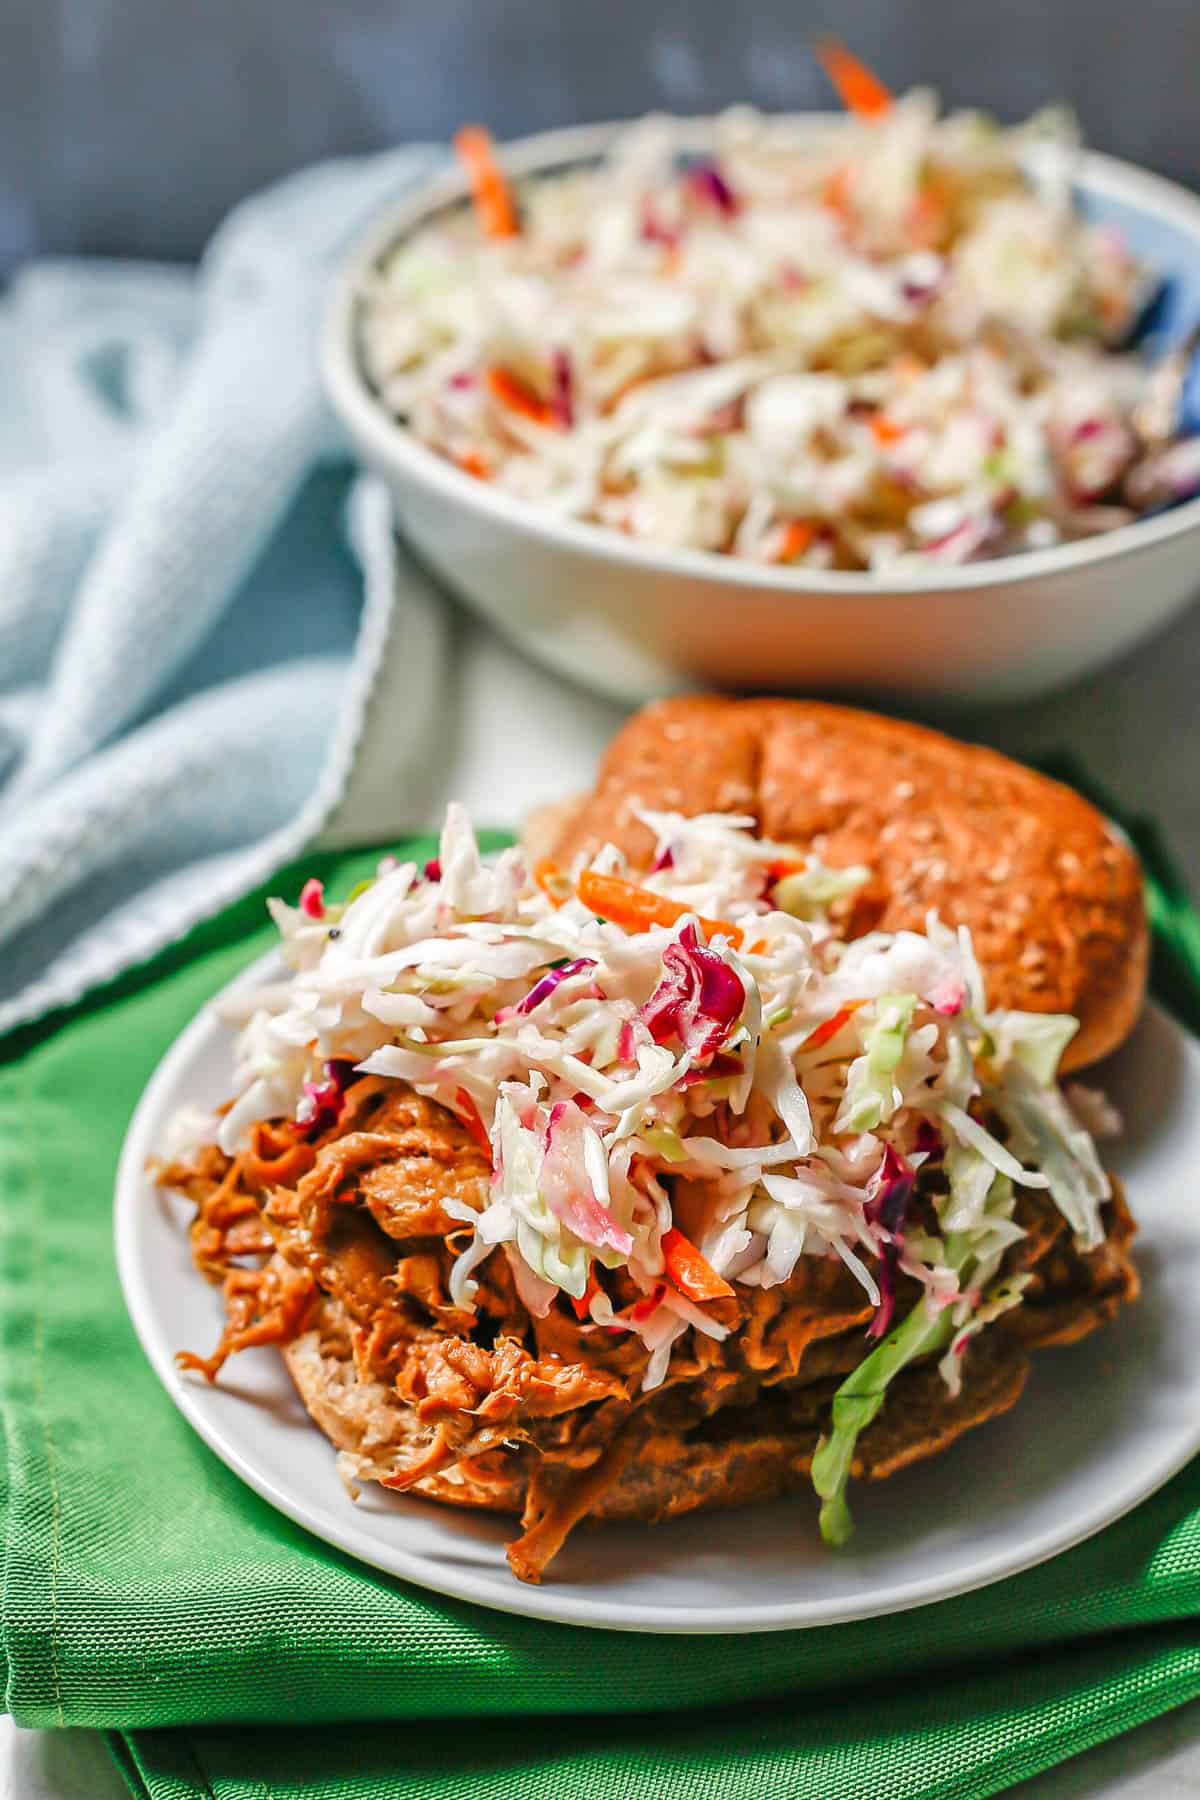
(131, 125)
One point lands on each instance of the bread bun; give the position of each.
(1050, 889)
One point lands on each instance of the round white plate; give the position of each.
(1099, 1427)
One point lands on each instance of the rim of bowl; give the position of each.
(545, 152)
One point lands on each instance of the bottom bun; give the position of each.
(659, 1456)
(735, 1456)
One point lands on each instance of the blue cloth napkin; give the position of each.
(194, 601)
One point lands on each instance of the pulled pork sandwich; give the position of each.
(713, 1147)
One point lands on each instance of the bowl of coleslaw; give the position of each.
(899, 402)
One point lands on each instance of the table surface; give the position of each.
(1145, 752)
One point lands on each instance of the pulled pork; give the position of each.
(344, 1231)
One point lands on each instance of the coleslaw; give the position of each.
(685, 1084)
(891, 344)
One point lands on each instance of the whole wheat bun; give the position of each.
(1050, 889)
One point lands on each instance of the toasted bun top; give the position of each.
(1051, 890)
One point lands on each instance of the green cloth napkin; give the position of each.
(231, 1655)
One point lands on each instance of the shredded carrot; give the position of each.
(798, 534)
(469, 1116)
(637, 908)
(648, 1303)
(838, 194)
(582, 1308)
(692, 1274)
(906, 369)
(858, 88)
(885, 430)
(472, 462)
(928, 215)
(493, 199)
(553, 883)
(829, 1028)
(518, 396)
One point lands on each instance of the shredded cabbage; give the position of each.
(871, 1092)
(861, 1396)
(894, 344)
(1049, 1131)
(1035, 1040)
(520, 1210)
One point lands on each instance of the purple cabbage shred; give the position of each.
(707, 183)
(887, 1210)
(699, 999)
(542, 990)
(322, 1103)
(563, 390)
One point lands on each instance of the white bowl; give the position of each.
(634, 620)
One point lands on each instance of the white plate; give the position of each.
(1099, 1427)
